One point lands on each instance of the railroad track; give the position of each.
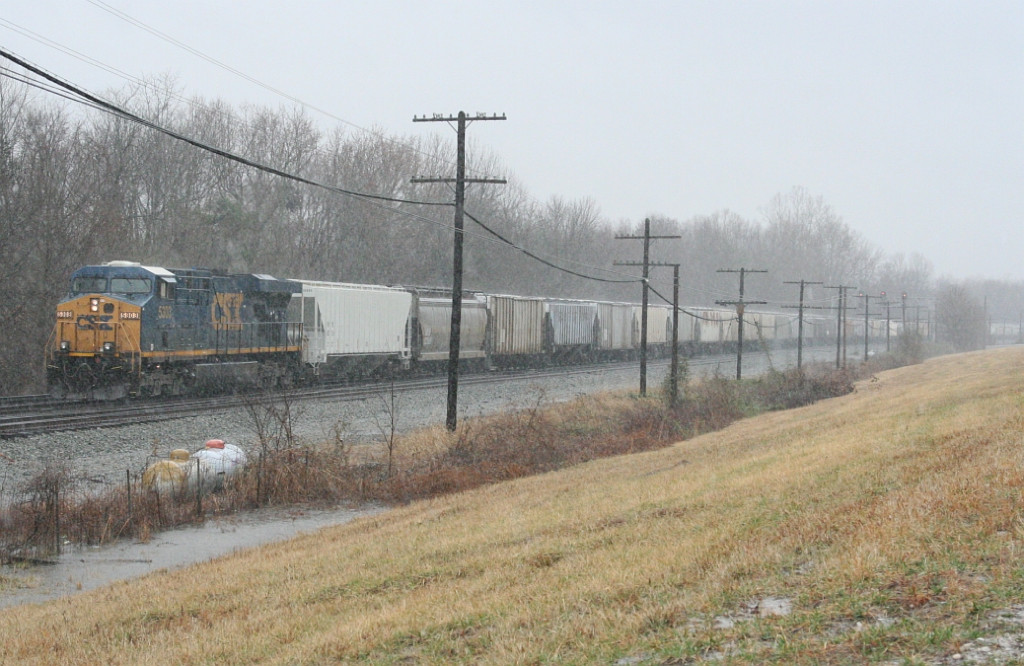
(24, 416)
(13, 404)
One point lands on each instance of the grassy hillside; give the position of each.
(882, 525)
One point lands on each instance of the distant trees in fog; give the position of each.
(86, 187)
(960, 318)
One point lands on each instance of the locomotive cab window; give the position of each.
(89, 285)
(131, 285)
(166, 290)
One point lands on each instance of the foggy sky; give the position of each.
(907, 117)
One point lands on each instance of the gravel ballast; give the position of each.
(100, 457)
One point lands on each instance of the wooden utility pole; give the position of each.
(800, 320)
(867, 300)
(903, 319)
(674, 367)
(673, 384)
(460, 181)
(740, 308)
(888, 319)
(841, 324)
(646, 238)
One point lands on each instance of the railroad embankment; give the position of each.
(883, 526)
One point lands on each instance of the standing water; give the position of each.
(81, 569)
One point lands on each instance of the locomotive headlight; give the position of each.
(94, 305)
(65, 345)
(108, 347)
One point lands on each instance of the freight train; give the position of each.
(128, 330)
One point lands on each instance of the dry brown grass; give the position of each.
(898, 507)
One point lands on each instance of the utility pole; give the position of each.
(740, 307)
(673, 375)
(867, 330)
(888, 319)
(841, 324)
(903, 319)
(673, 382)
(646, 238)
(800, 321)
(460, 181)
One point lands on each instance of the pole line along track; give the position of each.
(24, 416)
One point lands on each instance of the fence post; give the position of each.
(56, 515)
(199, 491)
(128, 488)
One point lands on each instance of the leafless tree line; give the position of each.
(79, 187)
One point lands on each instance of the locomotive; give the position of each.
(132, 330)
(128, 330)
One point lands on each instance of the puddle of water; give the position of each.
(81, 569)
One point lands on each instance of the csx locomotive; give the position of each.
(129, 330)
(133, 330)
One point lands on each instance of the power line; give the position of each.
(168, 38)
(117, 110)
(536, 257)
(21, 78)
(78, 55)
(140, 82)
(86, 99)
(124, 16)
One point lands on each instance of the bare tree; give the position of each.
(910, 275)
(960, 319)
(387, 423)
(806, 236)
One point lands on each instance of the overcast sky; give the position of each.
(907, 117)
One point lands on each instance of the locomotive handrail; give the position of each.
(48, 353)
(250, 336)
(134, 352)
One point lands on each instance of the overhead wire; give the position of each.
(87, 99)
(77, 94)
(193, 103)
(63, 88)
(78, 55)
(536, 257)
(100, 4)
(101, 104)
(214, 61)
(196, 52)
(21, 78)
(124, 16)
(113, 108)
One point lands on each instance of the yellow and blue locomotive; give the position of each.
(132, 330)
